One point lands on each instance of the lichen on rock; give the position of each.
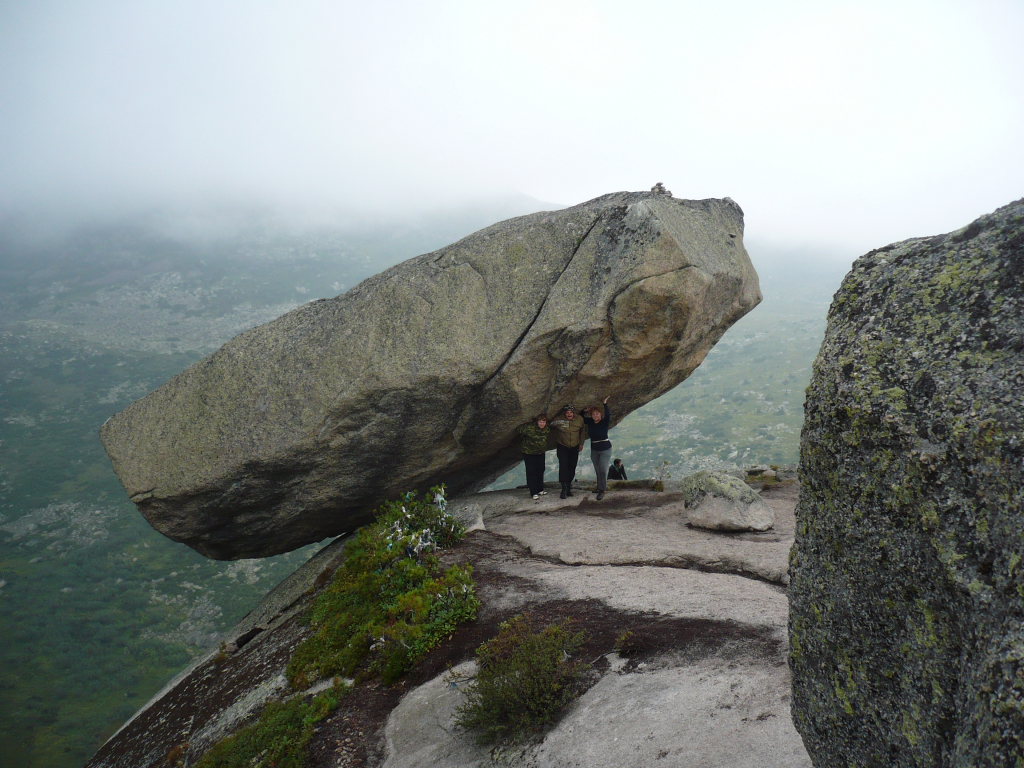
(907, 595)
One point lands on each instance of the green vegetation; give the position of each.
(389, 604)
(526, 678)
(627, 645)
(279, 738)
(97, 610)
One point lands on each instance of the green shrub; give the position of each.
(627, 645)
(526, 678)
(389, 604)
(279, 738)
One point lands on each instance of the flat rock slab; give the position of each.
(709, 684)
(635, 527)
(718, 697)
(706, 714)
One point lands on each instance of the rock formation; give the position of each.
(719, 502)
(296, 430)
(907, 591)
(707, 684)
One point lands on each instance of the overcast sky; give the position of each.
(847, 125)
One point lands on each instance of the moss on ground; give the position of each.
(279, 739)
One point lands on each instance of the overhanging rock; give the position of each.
(295, 430)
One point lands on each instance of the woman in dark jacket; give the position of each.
(600, 446)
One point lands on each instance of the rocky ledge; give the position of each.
(706, 684)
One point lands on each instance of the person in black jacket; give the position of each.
(600, 446)
(616, 471)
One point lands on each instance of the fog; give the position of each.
(842, 126)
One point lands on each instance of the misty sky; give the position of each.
(847, 125)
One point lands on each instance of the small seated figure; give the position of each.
(617, 471)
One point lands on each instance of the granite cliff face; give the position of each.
(907, 581)
(296, 430)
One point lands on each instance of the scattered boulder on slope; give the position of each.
(720, 502)
(907, 585)
(295, 430)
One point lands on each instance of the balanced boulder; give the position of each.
(295, 430)
(907, 579)
(720, 502)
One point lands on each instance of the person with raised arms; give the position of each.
(597, 422)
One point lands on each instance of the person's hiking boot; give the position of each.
(600, 495)
(562, 494)
(543, 493)
(568, 489)
(536, 497)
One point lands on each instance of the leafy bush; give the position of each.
(526, 678)
(389, 604)
(279, 738)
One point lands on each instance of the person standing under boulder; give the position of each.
(600, 446)
(570, 435)
(535, 443)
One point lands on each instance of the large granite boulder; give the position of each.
(296, 430)
(907, 580)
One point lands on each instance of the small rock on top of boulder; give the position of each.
(295, 430)
(720, 502)
(907, 591)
